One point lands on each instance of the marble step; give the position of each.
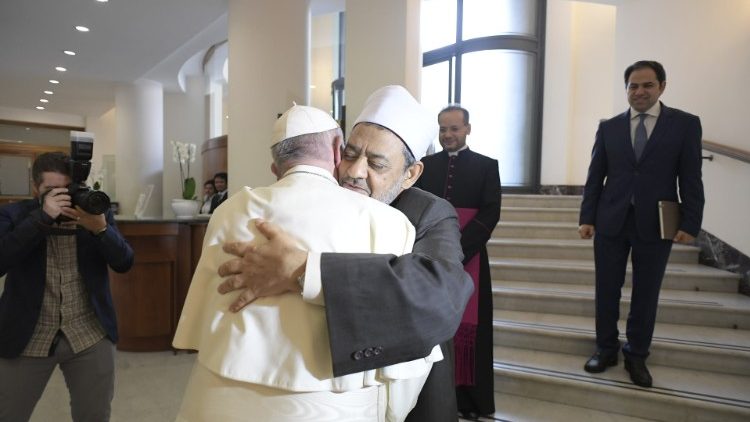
(508, 213)
(684, 346)
(510, 407)
(536, 230)
(677, 277)
(709, 309)
(569, 249)
(677, 395)
(542, 201)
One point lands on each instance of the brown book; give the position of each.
(669, 219)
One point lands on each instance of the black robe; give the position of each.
(471, 180)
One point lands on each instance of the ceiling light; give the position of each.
(54, 81)
(43, 100)
(82, 28)
(102, 1)
(60, 69)
(69, 53)
(48, 92)
(39, 108)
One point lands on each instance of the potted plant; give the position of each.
(187, 206)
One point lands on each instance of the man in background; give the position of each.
(471, 183)
(220, 184)
(380, 309)
(209, 190)
(56, 308)
(645, 154)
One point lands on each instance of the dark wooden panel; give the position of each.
(149, 298)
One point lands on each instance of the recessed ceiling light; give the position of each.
(39, 108)
(43, 100)
(48, 92)
(60, 69)
(69, 52)
(54, 81)
(102, 1)
(82, 28)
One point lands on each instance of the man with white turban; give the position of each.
(380, 309)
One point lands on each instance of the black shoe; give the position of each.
(470, 415)
(600, 361)
(638, 372)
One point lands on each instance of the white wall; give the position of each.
(579, 64)
(184, 121)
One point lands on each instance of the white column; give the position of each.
(216, 109)
(140, 140)
(268, 69)
(382, 48)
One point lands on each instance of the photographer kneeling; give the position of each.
(56, 308)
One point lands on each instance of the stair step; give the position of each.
(542, 201)
(569, 215)
(684, 346)
(515, 408)
(677, 394)
(693, 277)
(710, 309)
(536, 230)
(569, 249)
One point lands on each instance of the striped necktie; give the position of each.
(639, 143)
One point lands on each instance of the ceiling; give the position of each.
(128, 40)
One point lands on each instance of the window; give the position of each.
(491, 64)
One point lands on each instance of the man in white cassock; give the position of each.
(271, 361)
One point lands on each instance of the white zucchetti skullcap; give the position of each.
(394, 107)
(301, 120)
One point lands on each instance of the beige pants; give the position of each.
(210, 398)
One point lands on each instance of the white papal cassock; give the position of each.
(278, 346)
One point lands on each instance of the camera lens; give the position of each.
(96, 202)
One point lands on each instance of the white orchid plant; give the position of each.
(184, 154)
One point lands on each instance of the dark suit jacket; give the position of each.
(671, 158)
(401, 306)
(23, 257)
(217, 199)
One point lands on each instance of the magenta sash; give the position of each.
(464, 341)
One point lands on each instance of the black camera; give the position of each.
(81, 151)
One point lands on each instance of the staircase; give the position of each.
(543, 293)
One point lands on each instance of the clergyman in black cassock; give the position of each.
(471, 183)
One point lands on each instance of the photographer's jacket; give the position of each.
(24, 229)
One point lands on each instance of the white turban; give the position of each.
(394, 108)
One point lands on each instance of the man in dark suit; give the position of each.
(645, 154)
(56, 308)
(471, 183)
(380, 309)
(220, 184)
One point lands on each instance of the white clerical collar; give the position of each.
(303, 168)
(654, 111)
(455, 153)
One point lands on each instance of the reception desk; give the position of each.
(149, 298)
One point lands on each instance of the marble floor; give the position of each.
(148, 388)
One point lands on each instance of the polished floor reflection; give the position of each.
(148, 388)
